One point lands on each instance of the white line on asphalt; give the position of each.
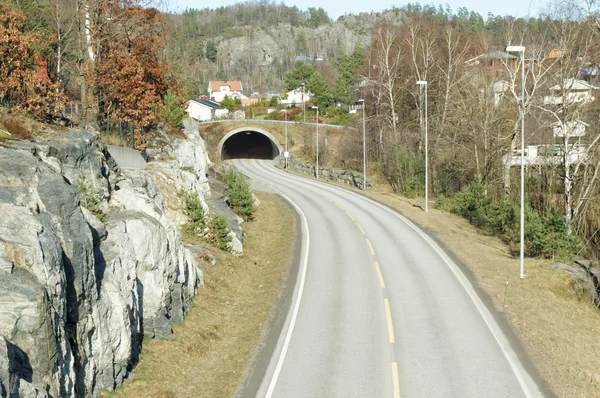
(388, 314)
(396, 380)
(290, 330)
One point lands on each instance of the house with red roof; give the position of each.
(219, 89)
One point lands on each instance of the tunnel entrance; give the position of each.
(248, 144)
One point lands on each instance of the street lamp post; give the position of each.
(364, 109)
(317, 167)
(521, 50)
(424, 83)
(286, 154)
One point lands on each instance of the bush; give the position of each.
(16, 128)
(218, 233)
(88, 197)
(171, 113)
(404, 170)
(272, 115)
(240, 194)
(544, 236)
(214, 230)
(196, 216)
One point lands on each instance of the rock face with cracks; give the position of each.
(80, 288)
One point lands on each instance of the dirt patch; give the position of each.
(559, 331)
(219, 337)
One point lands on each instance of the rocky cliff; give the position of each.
(80, 288)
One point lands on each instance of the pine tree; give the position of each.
(320, 90)
(171, 112)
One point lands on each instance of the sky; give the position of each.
(336, 8)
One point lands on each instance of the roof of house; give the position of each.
(573, 84)
(234, 85)
(249, 101)
(208, 103)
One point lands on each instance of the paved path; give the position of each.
(379, 309)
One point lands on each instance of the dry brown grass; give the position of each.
(16, 128)
(215, 344)
(557, 328)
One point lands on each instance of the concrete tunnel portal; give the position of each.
(249, 143)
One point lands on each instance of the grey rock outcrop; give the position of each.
(77, 295)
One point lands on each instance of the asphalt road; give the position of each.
(379, 310)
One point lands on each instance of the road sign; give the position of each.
(286, 154)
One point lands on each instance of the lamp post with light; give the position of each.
(521, 50)
(286, 154)
(424, 83)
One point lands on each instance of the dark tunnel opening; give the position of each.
(249, 145)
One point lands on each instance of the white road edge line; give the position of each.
(396, 380)
(290, 330)
(523, 377)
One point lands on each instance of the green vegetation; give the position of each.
(320, 90)
(171, 112)
(240, 194)
(300, 74)
(88, 197)
(228, 103)
(544, 236)
(213, 230)
(218, 233)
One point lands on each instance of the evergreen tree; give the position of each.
(211, 51)
(343, 91)
(171, 112)
(301, 74)
(228, 103)
(320, 90)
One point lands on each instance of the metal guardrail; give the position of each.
(335, 126)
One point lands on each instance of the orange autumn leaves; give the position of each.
(24, 83)
(131, 79)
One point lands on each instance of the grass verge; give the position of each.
(559, 331)
(219, 337)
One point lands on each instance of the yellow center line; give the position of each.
(388, 314)
(339, 205)
(370, 247)
(350, 215)
(361, 230)
(395, 380)
(381, 282)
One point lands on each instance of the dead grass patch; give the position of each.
(214, 346)
(557, 327)
(16, 128)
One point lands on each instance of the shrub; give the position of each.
(404, 170)
(214, 230)
(240, 194)
(218, 233)
(544, 236)
(272, 115)
(171, 112)
(16, 128)
(196, 216)
(88, 197)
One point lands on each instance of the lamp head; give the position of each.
(422, 82)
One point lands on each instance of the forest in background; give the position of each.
(126, 60)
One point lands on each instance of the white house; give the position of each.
(576, 91)
(202, 110)
(296, 97)
(218, 90)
